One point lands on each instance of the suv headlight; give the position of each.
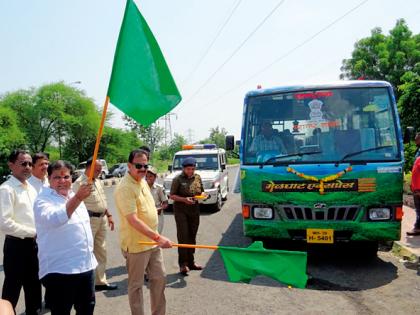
(208, 184)
(377, 214)
(263, 213)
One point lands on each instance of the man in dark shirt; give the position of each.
(187, 212)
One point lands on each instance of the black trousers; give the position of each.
(68, 290)
(187, 218)
(416, 199)
(20, 263)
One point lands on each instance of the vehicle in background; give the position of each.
(82, 166)
(337, 174)
(118, 170)
(211, 166)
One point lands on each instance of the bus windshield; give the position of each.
(321, 126)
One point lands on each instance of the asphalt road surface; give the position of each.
(341, 282)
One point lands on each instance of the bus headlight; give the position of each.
(263, 213)
(377, 214)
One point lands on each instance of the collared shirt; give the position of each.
(415, 176)
(38, 183)
(158, 194)
(263, 143)
(16, 208)
(133, 196)
(96, 202)
(65, 245)
(187, 186)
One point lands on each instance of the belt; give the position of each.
(96, 214)
(11, 237)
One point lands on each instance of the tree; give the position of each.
(11, 137)
(167, 152)
(217, 136)
(151, 136)
(384, 57)
(116, 144)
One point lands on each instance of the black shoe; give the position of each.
(102, 287)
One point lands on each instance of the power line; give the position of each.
(197, 65)
(236, 50)
(310, 38)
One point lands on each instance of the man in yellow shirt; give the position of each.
(139, 221)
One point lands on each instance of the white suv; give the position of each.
(211, 166)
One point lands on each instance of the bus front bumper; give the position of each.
(343, 231)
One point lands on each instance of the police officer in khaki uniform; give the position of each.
(187, 212)
(99, 219)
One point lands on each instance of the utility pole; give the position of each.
(190, 136)
(168, 127)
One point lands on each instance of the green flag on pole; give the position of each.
(141, 84)
(243, 264)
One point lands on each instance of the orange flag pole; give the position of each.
(98, 140)
(183, 245)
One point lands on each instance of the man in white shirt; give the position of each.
(39, 178)
(161, 201)
(66, 260)
(20, 261)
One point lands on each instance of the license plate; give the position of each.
(325, 236)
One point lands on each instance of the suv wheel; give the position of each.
(219, 202)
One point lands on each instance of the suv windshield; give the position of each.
(319, 126)
(204, 161)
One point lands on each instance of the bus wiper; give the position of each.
(362, 151)
(273, 158)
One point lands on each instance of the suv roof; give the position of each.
(200, 151)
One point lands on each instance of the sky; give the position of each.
(267, 42)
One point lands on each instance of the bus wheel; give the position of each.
(368, 250)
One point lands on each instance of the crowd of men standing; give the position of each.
(55, 232)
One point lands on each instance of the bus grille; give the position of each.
(343, 213)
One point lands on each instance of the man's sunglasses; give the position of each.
(25, 164)
(139, 166)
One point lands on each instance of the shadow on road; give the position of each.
(329, 268)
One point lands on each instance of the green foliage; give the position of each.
(168, 152)
(116, 145)
(61, 120)
(409, 151)
(151, 136)
(394, 58)
(10, 137)
(384, 57)
(409, 102)
(217, 136)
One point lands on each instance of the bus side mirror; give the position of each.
(230, 143)
(169, 168)
(408, 134)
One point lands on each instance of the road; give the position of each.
(340, 284)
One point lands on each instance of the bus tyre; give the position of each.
(369, 250)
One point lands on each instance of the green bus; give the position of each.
(322, 163)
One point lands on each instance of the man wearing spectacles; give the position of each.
(20, 260)
(100, 219)
(139, 222)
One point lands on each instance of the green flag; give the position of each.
(141, 84)
(243, 264)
